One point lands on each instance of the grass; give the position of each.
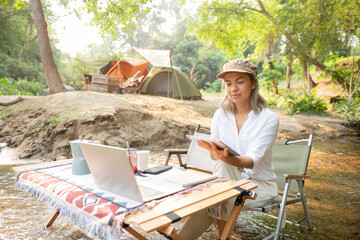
(4, 113)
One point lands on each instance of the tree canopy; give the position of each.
(310, 28)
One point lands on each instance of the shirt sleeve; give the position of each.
(264, 140)
(214, 125)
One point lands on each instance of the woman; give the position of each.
(244, 124)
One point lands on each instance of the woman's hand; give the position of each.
(215, 153)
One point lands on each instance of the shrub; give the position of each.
(214, 86)
(350, 109)
(296, 102)
(9, 86)
(304, 102)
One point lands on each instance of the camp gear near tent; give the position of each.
(162, 82)
(164, 79)
(104, 83)
(125, 68)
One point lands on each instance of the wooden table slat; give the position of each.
(162, 221)
(34, 166)
(172, 204)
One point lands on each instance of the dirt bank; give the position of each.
(41, 127)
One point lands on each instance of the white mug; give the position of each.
(143, 159)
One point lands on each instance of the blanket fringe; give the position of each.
(91, 226)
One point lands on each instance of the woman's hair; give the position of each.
(257, 102)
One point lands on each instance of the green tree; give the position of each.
(19, 51)
(107, 16)
(305, 25)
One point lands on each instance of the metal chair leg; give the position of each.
(282, 209)
(304, 203)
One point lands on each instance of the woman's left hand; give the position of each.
(215, 153)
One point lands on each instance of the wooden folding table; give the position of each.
(174, 208)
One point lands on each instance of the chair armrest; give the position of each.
(176, 151)
(295, 176)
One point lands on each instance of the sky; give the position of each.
(74, 34)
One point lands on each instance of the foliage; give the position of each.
(71, 70)
(270, 78)
(209, 65)
(19, 51)
(186, 54)
(296, 102)
(33, 88)
(221, 22)
(348, 69)
(308, 29)
(214, 87)
(201, 62)
(350, 109)
(9, 86)
(111, 14)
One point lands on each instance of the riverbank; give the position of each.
(41, 127)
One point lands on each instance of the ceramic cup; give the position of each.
(143, 159)
(79, 165)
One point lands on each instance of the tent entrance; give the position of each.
(161, 85)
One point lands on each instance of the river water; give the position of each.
(22, 216)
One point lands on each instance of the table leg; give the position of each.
(179, 158)
(230, 224)
(51, 220)
(134, 233)
(167, 159)
(170, 233)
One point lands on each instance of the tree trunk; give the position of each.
(51, 72)
(289, 72)
(308, 82)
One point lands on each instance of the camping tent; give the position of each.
(161, 81)
(164, 79)
(125, 68)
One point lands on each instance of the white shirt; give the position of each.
(254, 140)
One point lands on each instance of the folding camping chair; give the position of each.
(193, 147)
(290, 161)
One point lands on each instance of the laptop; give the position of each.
(112, 171)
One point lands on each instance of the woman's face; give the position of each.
(238, 87)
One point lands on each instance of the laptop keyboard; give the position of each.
(149, 193)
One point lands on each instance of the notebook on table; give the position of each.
(190, 178)
(112, 171)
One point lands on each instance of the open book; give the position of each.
(219, 144)
(190, 178)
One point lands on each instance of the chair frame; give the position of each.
(288, 198)
(179, 152)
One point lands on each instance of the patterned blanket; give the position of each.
(76, 197)
(97, 211)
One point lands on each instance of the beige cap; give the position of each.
(238, 65)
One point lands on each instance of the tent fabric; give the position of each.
(158, 58)
(126, 68)
(161, 81)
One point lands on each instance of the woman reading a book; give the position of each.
(244, 124)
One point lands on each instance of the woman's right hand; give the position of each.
(215, 153)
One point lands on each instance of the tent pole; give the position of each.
(177, 81)
(113, 67)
